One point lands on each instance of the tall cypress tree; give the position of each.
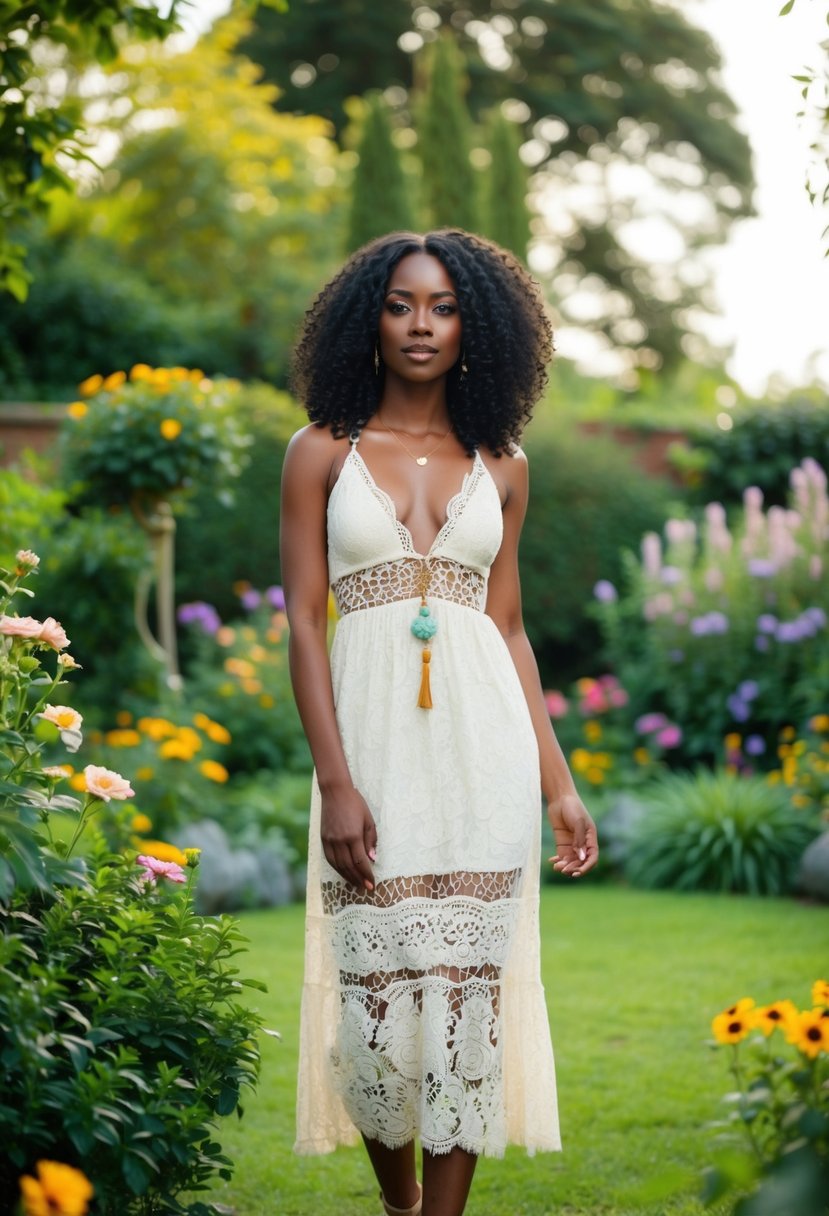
(380, 195)
(444, 132)
(505, 216)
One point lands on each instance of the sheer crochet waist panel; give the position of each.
(404, 579)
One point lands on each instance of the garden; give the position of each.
(154, 776)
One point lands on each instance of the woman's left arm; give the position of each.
(577, 848)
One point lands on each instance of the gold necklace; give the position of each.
(421, 460)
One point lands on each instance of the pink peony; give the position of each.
(104, 783)
(53, 634)
(557, 704)
(20, 626)
(669, 736)
(650, 722)
(154, 869)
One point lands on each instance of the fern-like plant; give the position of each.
(716, 831)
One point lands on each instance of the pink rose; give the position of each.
(52, 633)
(557, 704)
(154, 869)
(20, 626)
(104, 783)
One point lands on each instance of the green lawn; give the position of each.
(633, 979)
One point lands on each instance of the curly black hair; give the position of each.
(507, 339)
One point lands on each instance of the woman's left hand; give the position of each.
(577, 845)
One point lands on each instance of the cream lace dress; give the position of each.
(423, 1013)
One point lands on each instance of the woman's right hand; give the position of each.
(349, 836)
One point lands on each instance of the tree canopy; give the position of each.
(610, 97)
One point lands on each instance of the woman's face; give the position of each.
(420, 324)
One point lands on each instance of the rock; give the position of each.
(813, 874)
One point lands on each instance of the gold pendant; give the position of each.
(422, 460)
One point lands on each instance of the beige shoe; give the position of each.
(413, 1211)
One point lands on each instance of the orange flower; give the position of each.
(170, 428)
(77, 410)
(58, 1190)
(779, 1014)
(161, 851)
(113, 381)
(90, 386)
(820, 992)
(810, 1032)
(214, 771)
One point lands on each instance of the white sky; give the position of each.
(771, 277)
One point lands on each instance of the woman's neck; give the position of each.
(418, 408)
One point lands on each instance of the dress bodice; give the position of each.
(364, 531)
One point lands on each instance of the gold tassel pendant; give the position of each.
(424, 700)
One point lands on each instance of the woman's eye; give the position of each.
(445, 310)
(397, 306)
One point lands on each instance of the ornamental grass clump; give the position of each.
(123, 1037)
(724, 628)
(773, 1148)
(140, 438)
(717, 831)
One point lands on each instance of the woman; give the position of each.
(423, 1011)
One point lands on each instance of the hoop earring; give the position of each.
(376, 360)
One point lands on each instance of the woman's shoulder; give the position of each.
(314, 450)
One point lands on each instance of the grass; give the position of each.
(632, 979)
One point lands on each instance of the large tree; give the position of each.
(380, 194)
(620, 101)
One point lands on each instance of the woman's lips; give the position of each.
(419, 356)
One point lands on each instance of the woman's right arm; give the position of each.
(349, 837)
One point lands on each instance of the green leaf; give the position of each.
(787, 8)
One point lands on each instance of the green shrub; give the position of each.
(761, 448)
(30, 504)
(271, 807)
(220, 545)
(588, 502)
(122, 1038)
(715, 831)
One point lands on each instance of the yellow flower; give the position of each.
(196, 375)
(592, 731)
(192, 857)
(113, 381)
(251, 687)
(189, 737)
(788, 733)
(170, 428)
(733, 741)
(141, 371)
(179, 373)
(799, 747)
(780, 1014)
(77, 410)
(217, 733)
(156, 728)
(122, 738)
(810, 1032)
(734, 1023)
(789, 770)
(595, 775)
(141, 823)
(58, 1190)
(239, 667)
(175, 749)
(801, 800)
(266, 700)
(90, 386)
(163, 851)
(78, 782)
(774, 777)
(214, 771)
(581, 759)
(225, 635)
(160, 377)
(145, 773)
(642, 756)
(820, 723)
(820, 992)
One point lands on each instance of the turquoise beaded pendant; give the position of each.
(424, 626)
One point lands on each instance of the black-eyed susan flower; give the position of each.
(734, 1023)
(779, 1015)
(820, 992)
(810, 1032)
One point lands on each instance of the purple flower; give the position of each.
(251, 599)
(761, 642)
(670, 575)
(199, 613)
(755, 745)
(649, 723)
(699, 626)
(789, 631)
(709, 622)
(766, 623)
(762, 567)
(749, 690)
(276, 597)
(738, 709)
(817, 615)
